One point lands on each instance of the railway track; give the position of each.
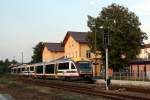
(85, 89)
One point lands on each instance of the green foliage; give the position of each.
(125, 35)
(4, 65)
(14, 61)
(37, 53)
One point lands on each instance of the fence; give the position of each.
(129, 76)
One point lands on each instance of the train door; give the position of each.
(39, 69)
(34, 71)
(56, 69)
(31, 70)
(15, 71)
(63, 68)
(50, 69)
(73, 69)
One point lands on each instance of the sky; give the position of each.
(24, 23)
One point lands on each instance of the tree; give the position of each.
(14, 61)
(1, 66)
(4, 66)
(125, 35)
(37, 53)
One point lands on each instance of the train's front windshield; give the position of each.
(84, 65)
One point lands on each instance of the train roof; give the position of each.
(51, 62)
(63, 60)
(37, 64)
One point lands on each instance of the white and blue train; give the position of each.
(65, 68)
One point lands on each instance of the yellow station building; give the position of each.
(52, 51)
(75, 46)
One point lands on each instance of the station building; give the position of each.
(141, 66)
(145, 52)
(52, 51)
(76, 46)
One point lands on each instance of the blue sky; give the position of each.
(24, 23)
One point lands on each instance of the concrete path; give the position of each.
(125, 82)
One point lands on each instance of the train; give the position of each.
(59, 69)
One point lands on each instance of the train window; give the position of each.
(28, 69)
(49, 69)
(31, 68)
(84, 65)
(19, 70)
(63, 66)
(23, 69)
(12, 70)
(39, 69)
(72, 66)
(15, 70)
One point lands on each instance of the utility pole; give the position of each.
(95, 40)
(22, 56)
(95, 49)
(106, 43)
(106, 50)
(14, 58)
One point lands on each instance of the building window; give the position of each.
(143, 51)
(88, 54)
(72, 43)
(76, 54)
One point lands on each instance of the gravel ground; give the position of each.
(22, 91)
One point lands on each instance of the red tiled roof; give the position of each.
(55, 47)
(78, 36)
(146, 46)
